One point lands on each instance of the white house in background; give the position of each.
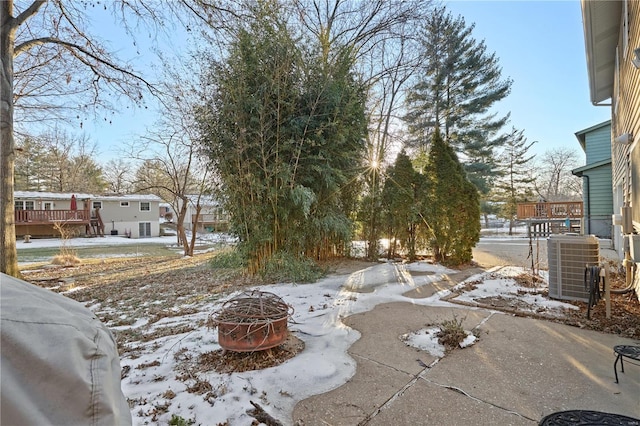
(213, 217)
(135, 215)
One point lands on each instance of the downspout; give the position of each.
(588, 216)
(588, 205)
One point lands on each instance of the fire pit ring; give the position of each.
(253, 321)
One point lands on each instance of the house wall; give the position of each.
(57, 203)
(599, 200)
(598, 145)
(126, 220)
(210, 214)
(625, 115)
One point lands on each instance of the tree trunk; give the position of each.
(192, 244)
(9, 257)
(412, 242)
(182, 236)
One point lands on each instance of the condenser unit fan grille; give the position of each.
(568, 257)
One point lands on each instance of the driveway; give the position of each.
(491, 252)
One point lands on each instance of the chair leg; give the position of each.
(615, 365)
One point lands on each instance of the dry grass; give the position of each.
(236, 362)
(122, 291)
(66, 260)
(451, 333)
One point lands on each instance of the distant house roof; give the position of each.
(129, 197)
(581, 134)
(601, 20)
(50, 195)
(80, 196)
(205, 200)
(580, 170)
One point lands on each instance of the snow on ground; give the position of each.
(156, 383)
(161, 368)
(425, 340)
(111, 240)
(322, 366)
(500, 283)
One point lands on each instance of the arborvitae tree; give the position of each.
(452, 213)
(516, 182)
(400, 205)
(454, 92)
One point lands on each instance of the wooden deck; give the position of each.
(544, 219)
(210, 222)
(48, 217)
(43, 222)
(554, 210)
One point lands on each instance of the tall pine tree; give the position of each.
(459, 83)
(516, 182)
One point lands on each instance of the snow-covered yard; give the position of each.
(162, 318)
(166, 374)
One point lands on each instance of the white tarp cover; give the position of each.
(59, 364)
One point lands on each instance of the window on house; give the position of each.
(145, 206)
(24, 205)
(96, 205)
(47, 205)
(124, 204)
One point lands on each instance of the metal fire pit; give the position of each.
(253, 321)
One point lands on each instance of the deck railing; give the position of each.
(209, 218)
(551, 210)
(48, 216)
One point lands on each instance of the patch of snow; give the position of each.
(74, 289)
(500, 282)
(425, 340)
(158, 365)
(468, 341)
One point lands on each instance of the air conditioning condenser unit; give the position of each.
(568, 256)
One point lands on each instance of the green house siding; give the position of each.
(599, 199)
(596, 179)
(598, 144)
